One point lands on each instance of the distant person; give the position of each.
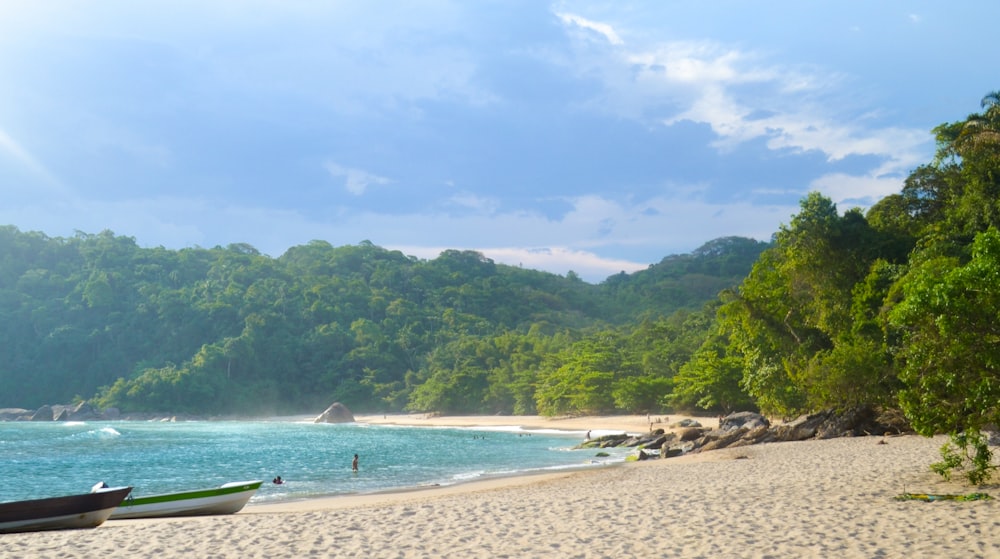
(354, 464)
(588, 435)
(277, 480)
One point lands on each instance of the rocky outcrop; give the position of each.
(336, 413)
(60, 412)
(748, 428)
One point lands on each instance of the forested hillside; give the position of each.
(228, 330)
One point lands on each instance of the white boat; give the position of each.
(88, 510)
(226, 499)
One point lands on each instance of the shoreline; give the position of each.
(816, 498)
(631, 424)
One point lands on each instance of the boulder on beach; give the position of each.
(336, 413)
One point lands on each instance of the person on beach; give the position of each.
(354, 464)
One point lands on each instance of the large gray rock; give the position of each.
(84, 412)
(743, 420)
(692, 433)
(721, 439)
(43, 413)
(336, 413)
(802, 428)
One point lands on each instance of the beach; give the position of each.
(831, 498)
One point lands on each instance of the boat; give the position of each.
(88, 510)
(226, 499)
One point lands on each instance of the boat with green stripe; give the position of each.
(229, 498)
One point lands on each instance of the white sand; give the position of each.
(811, 499)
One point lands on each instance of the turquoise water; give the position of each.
(50, 459)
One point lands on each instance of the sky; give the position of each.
(590, 136)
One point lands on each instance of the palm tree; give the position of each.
(980, 133)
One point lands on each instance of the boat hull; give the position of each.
(227, 499)
(88, 510)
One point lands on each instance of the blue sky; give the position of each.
(595, 137)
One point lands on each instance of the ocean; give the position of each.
(48, 459)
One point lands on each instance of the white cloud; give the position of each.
(480, 204)
(745, 96)
(356, 181)
(602, 29)
(862, 191)
(557, 260)
(793, 122)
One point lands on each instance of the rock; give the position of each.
(992, 437)
(747, 419)
(842, 425)
(748, 428)
(671, 452)
(756, 436)
(652, 440)
(801, 428)
(14, 414)
(722, 439)
(891, 422)
(692, 433)
(607, 441)
(336, 413)
(84, 412)
(43, 413)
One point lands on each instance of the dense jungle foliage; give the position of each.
(231, 331)
(898, 306)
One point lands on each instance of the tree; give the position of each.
(710, 380)
(580, 379)
(951, 352)
(969, 157)
(792, 321)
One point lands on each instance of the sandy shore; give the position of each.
(812, 499)
(600, 423)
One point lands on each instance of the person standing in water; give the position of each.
(354, 464)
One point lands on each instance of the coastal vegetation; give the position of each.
(895, 307)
